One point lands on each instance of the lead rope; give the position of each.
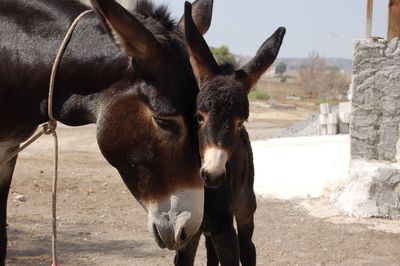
(50, 128)
(53, 125)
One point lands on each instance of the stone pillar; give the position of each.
(373, 186)
(398, 149)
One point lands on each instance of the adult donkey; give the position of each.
(227, 170)
(127, 72)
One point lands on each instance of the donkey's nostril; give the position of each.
(223, 177)
(183, 236)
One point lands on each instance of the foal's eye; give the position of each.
(200, 119)
(240, 124)
(165, 124)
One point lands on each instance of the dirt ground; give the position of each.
(100, 223)
(266, 122)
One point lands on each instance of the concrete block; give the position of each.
(323, 120)
(332, 129)
(323, 130)
(325, 108)
(344, 128)
(345, 107)
(332, 119)
(344, 117)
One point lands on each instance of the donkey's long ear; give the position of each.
(201, 14)
(202, 59)
(264, 58)
(130, 34)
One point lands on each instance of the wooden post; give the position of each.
(370, 6)
(394, 19)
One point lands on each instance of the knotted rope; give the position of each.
(50, 128)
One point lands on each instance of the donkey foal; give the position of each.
(227, 169)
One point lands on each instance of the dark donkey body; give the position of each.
(140, 93)
(225, 149)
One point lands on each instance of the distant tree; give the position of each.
(223, 55)
(280, 68)
(318, 80)
(337, 82)
(311, 75)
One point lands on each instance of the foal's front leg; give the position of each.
(244, 214)
(212, 259)
(226, 246)
(218, 226)
(6, 172)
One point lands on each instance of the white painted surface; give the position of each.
(300, 167)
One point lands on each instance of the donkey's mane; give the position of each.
(148, 10)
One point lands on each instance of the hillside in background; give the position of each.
(296, 63)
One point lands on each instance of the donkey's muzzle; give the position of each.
(174, 221)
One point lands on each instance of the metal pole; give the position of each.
(394, 19)
(370, 6)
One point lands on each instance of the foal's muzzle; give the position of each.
(213, 170)
(210, 180)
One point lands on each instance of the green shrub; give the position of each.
(258, 95)
(222, 55)
(330, 101)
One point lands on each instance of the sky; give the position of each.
(326, 26)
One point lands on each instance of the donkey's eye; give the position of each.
(200, 119)
(165, 124)
(240, 124)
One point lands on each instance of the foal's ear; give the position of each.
(130, 34)
(203, 62)
(201, 14)
(266, 55)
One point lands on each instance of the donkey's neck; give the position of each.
(90, 64)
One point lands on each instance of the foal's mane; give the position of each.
(227, 68)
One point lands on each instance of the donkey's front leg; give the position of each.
(185, 256)
(6, 172)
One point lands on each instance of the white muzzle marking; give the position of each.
(183, 210)
(214, 161)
